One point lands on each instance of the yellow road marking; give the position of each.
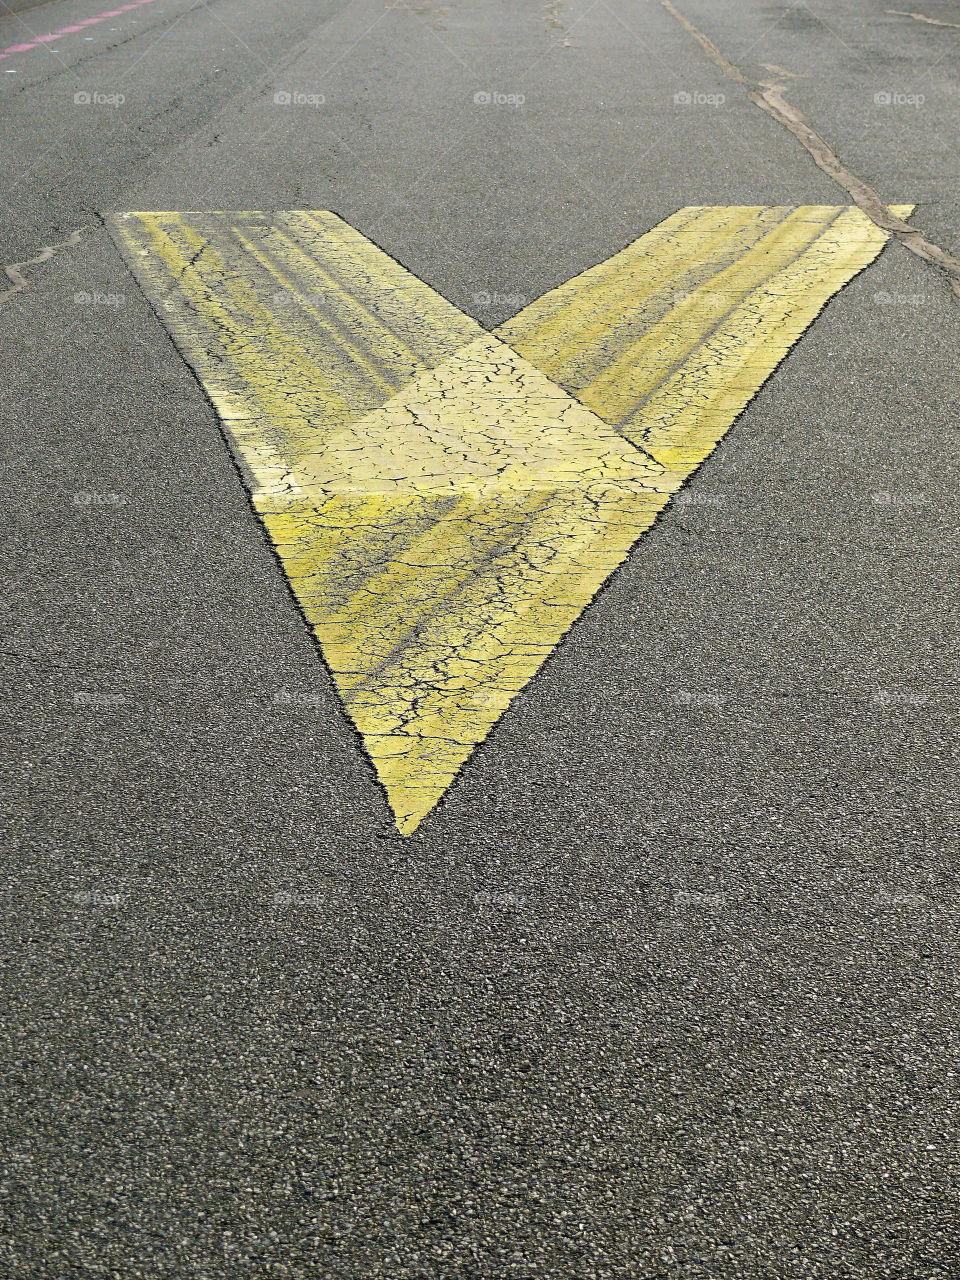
(294, 350)
(446, 501)
(672, 346)
(506, 504)
(594, 316)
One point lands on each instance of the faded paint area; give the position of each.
(445, 501)
(670, 339)
(294, 322)
(52, 37)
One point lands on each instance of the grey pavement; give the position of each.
(667, 984)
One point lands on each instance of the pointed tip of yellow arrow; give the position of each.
(407, 823)
(415, 780)
(407, 826)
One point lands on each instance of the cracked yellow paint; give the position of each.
(506, 504)
(446, 501)
(294, 322)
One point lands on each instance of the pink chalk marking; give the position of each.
(37, 41)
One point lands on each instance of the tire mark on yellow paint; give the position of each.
(691, 409)
(609, 303)
(676, 389)
(426, 321)
(299, 273)
(437, 639)
(632, 374)
(295, 372)
(367, 357)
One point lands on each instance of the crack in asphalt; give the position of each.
(768, 97)
(922, 17)
(14, 271)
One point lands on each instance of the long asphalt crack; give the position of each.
(768, 97)
(922, 17)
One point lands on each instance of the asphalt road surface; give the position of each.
(666, 984)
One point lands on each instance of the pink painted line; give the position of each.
(37, 41)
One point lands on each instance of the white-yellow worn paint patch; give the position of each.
(445, 501)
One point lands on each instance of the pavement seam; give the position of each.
(14, 269)
(768, 96)
(922, 17)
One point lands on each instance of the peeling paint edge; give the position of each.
(769, 98)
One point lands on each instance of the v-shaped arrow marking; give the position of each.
(447, 501)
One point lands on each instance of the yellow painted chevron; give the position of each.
(446, 501)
